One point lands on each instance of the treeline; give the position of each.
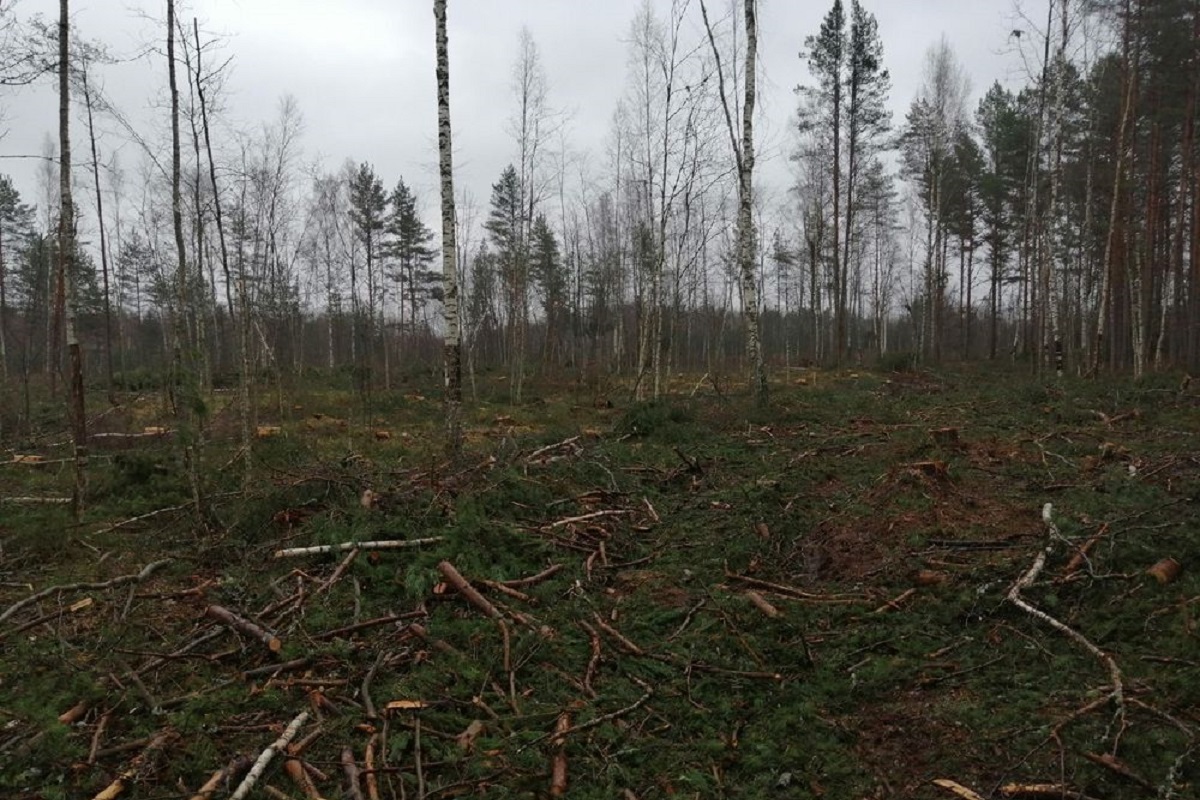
(1056, 220)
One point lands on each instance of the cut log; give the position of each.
(245, 627)
(1165, 571)
(472, 595)
(558, 764)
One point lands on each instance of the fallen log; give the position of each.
(387, 544)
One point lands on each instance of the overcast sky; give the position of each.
(362, 72)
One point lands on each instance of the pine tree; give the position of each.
(827, 56)
(368, 207)
(1005, 139)
(867, 117)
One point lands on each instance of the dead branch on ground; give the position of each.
(1117, 687)
(122, 580)
(390, 544)
(260, 764)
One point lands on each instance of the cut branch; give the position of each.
(245, 627)
(390, 544)
(260, 765)
(146, 572)
(1117, 692)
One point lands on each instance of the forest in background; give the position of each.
(1060, 218)
(612, 571)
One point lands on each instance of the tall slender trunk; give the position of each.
(1052, 336)
(743, 152)
(66, 261)
(452, 343)
(108, 338)
(3, 315)
(243, 315)
(187, 397)
(746, 243)
(1118, 179)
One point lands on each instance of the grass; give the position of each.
(894, 660)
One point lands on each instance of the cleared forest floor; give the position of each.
(688, 598)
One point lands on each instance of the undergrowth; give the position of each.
(805, 602)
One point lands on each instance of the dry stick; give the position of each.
(157, 743)
(612, 512)
(337, 573)
(550, 447)
(36, 621)
(368, 623)
(558, 765)
(609, 717)
(182, 651)
(687, 620)
(1026, 580)
(245, 626)
(792, 592)
(34, 501)
(366, 687)
(895, 602)
(141, 517)
(594, 661)
(1055, 791)
(97, 737)
(472, 595)
(260, 765)
(369, 766)
(625, 643)
(437, 644)
(274, 669)
(350, 767)
(417, 758)
(532, 579)
(221, 776)
(389, 544)
(146, 572)
(506, 590)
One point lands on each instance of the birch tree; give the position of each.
(66, 260)
(743, 153)
(452, 347)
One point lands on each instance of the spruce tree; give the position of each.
(410, 247)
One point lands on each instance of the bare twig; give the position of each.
(1117, 692)
(146, 572)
